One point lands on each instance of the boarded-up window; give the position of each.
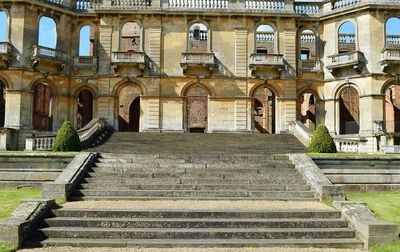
(349, 111)
(85, 108)
(197, 109)
(130, 37)
(264, 110)
(2, 104)
(42, 119)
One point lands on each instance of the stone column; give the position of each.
(330, 116)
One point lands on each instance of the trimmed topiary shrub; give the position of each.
(321, 141)
(67, 138)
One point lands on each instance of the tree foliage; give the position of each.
(321, 141)
(67, 138)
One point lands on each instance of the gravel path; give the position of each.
(71, 249)
(199, 205)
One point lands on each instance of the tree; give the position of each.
(67, 138)
(321, 141)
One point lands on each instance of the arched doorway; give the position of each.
(42, 118)
(85, 108)
(2, 103)
(197, 109)
(392, 110)
(263, 108)
(306, 110)
(349, 111)
(129, 109)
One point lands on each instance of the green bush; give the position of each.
(321, 141)
(67, 138)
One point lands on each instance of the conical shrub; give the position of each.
(321, 141)
(67, 138)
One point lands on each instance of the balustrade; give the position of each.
(391, 54)
(82, 5)
(57, 2)
(85, 61)
(309, 65)
(128, 57)
(348, 144)
(198, 58)
(199, 4)
(308, 8)
(265, 36)
(126, 4)
(307, 38)
(265, 4)
(338, 4)
(393, 40)
(347, 38)
(41, 51)
(202, 36)
(266, 59)
(344, 58)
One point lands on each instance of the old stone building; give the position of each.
(203, 66)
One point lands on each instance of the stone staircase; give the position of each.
(161, 168)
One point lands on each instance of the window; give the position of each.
(346, 38)
(393, 33)
(3, 27)
(265, 39)
(308, 45)
(42, 119)
(47, 32)
(198, 38)
(130, 37)
(86, 41)
(305, 55)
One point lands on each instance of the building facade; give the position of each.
(203, 66)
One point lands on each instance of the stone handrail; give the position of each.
(263, 5)
(199, 4)
(344, 58)
(349, 144)
(390, 149)
(391, 54)
(299, 130)
(309, 65)
(86, 135)
(309, 8)
(267, 59)
(42, 51)
(198, 58)
(128, 57)
(85, 61)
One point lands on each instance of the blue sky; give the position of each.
(84, 41)
(3, 28)
(47, 32)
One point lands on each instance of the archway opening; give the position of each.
(87, 41)
(2, 104)
(197, 109)
(47, 32)
(129, 109)
(85, 108)
(198, 38)
(306, 110)
(392, 110)
(349, 112)
(3, 27)
(263, 107)
(42, 117)
(392, 40)
(347, 38)
(265, 39)
(130, 37)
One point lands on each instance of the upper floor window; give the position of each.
(3, 27)
(308, 46)
(347, 37)
(393, 33)
(130, 37)
(47, 32)
(87, 41)
(198, 38)
(265, 39)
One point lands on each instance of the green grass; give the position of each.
(11, 197)
(39, 152)
(352, 155)
(385, 206)
(5, 247)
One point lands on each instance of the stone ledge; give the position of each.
(16, 228)
(368, 228)
(67, 181)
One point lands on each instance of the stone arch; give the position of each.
(132, 82)
(42, 106)
(3, 89)
(349, 110)
(391, 91)
(308, 41)
(55, 89)
(346, 41)
(306, 108)
(190, 84)
(196, 110)
(6, 36)
(198, 37)
(263, 109)
(265, 38)
(131, 36)
(84, 105)
(392, 32)
(42, 39)
(90, 40)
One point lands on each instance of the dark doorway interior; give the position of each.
(42, 119)
(2, 104)
(85, 108)
(349, 111)
(132, 124)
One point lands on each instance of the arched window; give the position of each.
(347, 37)
(308, 50)
(47, 32)
(2, 103)
(84, 108)
(130, 37)
(263, 110)
(306, 110)
(393, 33)
(265, 39)
(3, 27)
(87, 41)
(198, 38)
(349, 112)
(42, 100)
(392, 109)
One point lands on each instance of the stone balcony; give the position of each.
(85, 64)
(266, 65)
(48, 59)
(5, 53)
(390, 59)
(346, 60)
(201, 64)
(131, 63)
(309, 66)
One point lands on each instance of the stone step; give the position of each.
(197, 233)
(198, 193)
(360, 166)
(195, 181)
(363, 171)
(28, 176)
(194, 223)
(154, 213)
(33, 165)
(26, 158)
(269, 187)
(148, 198)
(364, 179)
(193, 174)
(356, 162)
(230, 243)
(193, 165)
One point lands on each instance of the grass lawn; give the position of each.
(385, 206)
(40, 152)
(351, 155)
(11, 197)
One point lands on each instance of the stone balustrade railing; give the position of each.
(86, 135)
(303, 8)
(299, 130)
(312, 65)
(265, 36)
(41, 51)
(128, 57)
(266, 59)
(391, 54)
(390, 149)
(85, 61)
(344, 58)
(198, 58)
(349, 144)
